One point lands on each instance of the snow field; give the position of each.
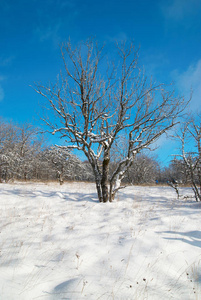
(59, 242)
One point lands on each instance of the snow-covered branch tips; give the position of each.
(96, 104)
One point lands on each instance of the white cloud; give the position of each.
(190, 79)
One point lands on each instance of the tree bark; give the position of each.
(0, 175)
(104, 181)
(99, 190)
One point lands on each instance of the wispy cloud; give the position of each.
(1, 94)
(67, 3)
(177, 10)
(190, 80)
(154, 64)
(50, 33)
(6, 61)
(52, 26)
(120, 37)
(2, 78)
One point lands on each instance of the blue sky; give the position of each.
(168, 32)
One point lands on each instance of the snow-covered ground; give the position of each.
(61, 243)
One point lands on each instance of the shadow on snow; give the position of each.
(192, 238)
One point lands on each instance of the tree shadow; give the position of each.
(192, 238)
(165, 200)
(64, 195)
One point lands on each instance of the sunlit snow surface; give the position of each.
(61, 243)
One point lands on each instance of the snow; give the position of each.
(59, 242)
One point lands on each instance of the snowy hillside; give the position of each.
(61, 243)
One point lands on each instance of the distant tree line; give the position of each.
(24, 155)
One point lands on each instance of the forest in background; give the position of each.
(25, 155)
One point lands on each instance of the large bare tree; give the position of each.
(95, 104)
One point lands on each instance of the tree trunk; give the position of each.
(112, 193)
(114, 187)
(104, 181)
(99, 190)
(0, 175)
(97, 176)
(196, 192)
(104, 189)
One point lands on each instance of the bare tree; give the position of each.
(190, 135)
(60, 163)
(176, 171)
(19, 145)
(144, 169)
(28, 145)
(9, 157)
(95, 105)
